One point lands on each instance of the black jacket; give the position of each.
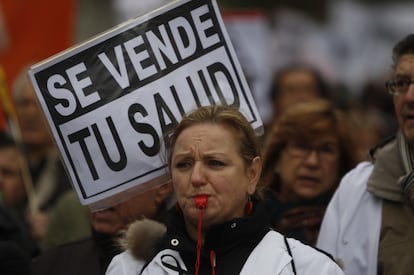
(89, 256)
(231, 242)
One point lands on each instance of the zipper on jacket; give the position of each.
(213, 262)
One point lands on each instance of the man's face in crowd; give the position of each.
(11, 181)
(404, 103)
(33, 126)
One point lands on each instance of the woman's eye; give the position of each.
(183, 164)
(215, 163)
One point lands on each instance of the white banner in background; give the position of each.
(110, 100)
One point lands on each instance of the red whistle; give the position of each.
(201, 201)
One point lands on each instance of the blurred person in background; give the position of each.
(67, 222)
(13, 259)
(219, 225)
(91, 256)
(369, 223)
(14, 230)
(374, 97)
(71, 225)
(371, 115)
(13, 191)
(293, 84)
(307, 151)
(47, 173)
(368, 129)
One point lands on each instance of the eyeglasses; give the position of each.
(399, 86)
(325, 152)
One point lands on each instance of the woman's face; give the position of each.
(308, 169)
(206, 161)
(295, 87)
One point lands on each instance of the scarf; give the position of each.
(406, 153)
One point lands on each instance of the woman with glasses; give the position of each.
(307, 151)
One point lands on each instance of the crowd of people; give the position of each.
(327, 189)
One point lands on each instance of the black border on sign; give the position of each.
(227, 46)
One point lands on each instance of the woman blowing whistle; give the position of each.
(220, 225)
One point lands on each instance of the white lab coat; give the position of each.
(270, 257)
(350, 229)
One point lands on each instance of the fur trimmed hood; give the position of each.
(141, 238)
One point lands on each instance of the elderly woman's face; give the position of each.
(309, 168)
(206, 161)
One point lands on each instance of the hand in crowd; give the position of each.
(38, 222)
(107, 221)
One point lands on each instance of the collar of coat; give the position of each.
(145, 237)
(388, 169)
(141, 238)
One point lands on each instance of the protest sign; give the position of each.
(110, 100)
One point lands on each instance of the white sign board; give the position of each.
(110, 101)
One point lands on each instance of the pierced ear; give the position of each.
(253, 174)
(163, 191)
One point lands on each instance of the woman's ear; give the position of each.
(253, 174)
(163, 192)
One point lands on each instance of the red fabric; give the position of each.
(36, 29)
